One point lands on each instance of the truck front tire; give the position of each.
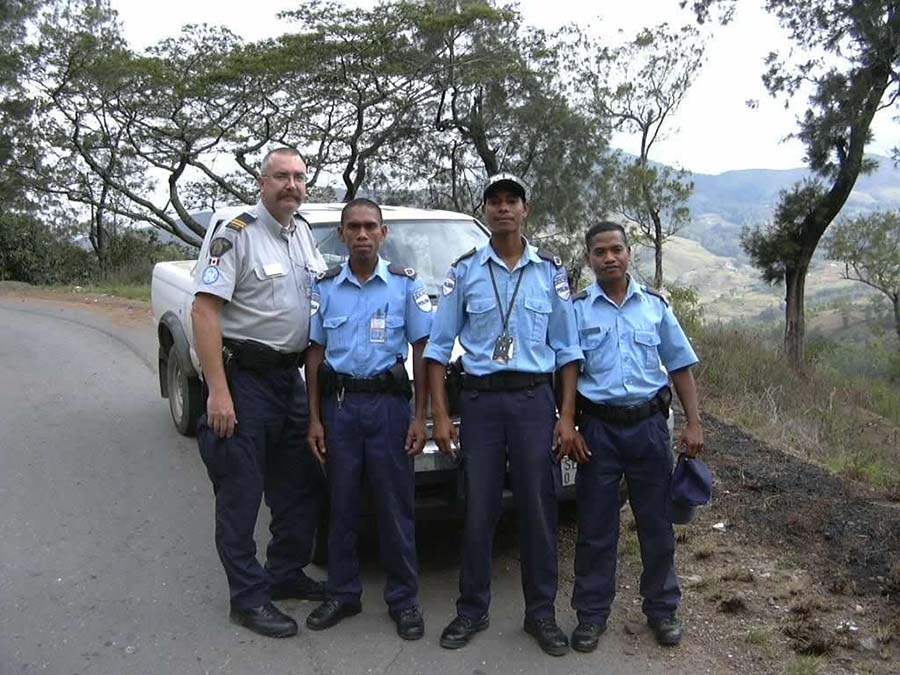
(184, 395)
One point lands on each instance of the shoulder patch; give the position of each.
(401, 271)
(549, 257)
(653, 291)
(467, 254)
(580, 295)
(241, 221)
(330, 273)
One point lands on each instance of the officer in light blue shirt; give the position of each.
(509, 305)
(365, 314)
(632, 345)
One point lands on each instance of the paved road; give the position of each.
(107, 563)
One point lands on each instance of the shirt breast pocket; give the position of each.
(338, 331)
(481, 315)
(647, 343)
(273, 282)
(537, 311)
(598, 348)
(395, 327)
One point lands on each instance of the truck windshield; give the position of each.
(429, 246)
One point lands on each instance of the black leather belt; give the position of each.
(627, 415)
(505, 380)
(254, 355)
(381, 384)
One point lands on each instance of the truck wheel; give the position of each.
(184, 395)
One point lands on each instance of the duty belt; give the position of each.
(627, 415)
(256, 356)
(393, 381)
(505, 380)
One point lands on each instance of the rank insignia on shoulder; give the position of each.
(550, 257)
(330, 273)
(401, 271)
(658, 294)
(241, 221)
(467, 254)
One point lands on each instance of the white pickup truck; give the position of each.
(426, 240)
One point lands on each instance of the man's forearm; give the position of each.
(686, 388)
(315, 355)
(435, 374)
(208, 342)
(420, 378)
(568, 377)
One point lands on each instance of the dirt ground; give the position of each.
(791, 569)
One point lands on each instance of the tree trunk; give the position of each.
(895, 301)
(795, 322)
(657, 249)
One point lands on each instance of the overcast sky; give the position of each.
(714, 131)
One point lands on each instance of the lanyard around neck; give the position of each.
(504, 316)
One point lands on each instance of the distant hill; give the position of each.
(723, 204)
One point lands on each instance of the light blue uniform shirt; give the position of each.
(626, 348)
(365, 328)
(542, 321)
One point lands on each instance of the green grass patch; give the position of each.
(804, 665)
(130, 291)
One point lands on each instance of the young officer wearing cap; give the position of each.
(365, 313)
(509, 304)
(627, 333)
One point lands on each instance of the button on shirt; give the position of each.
(626, 348)
(366, 328)
(264, 273)
(542, 321)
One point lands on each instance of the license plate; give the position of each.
(567, 468)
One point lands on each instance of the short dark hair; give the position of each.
(604, 226)
(361, 201)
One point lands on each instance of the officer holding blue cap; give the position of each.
(509, 304)
(632, 344)
(365, 314)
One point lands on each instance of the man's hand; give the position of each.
(445, 435)
(415, 437)
(220, 415)
(691, 441)
(580, 452)
(564, 436)
(315, 437)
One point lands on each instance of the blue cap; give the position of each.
(691, 486)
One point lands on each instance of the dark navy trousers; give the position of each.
(267, 456)
(365, 436)
(518, 426)
(643, 454)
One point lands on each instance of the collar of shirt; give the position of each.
(381, 272)
(596, 291)
(530, 255)
(276, 228)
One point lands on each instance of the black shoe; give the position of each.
(458, 633)
(586, 635)
(301, 588)
(666, 630)
(410, 624)
(331, 612)
(266, 620)
(548, 635)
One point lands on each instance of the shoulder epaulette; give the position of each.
(330, 273)
(580, 295)
(549, 257)
(401, 271)
(653, 291)
(241, 221)
(467, 254)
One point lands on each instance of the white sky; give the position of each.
(714, 131)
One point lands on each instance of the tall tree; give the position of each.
(869, 247)
(637, 87)
(852, 54)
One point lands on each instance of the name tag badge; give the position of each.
(377, 329)
(273, 269)
(504, 349)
